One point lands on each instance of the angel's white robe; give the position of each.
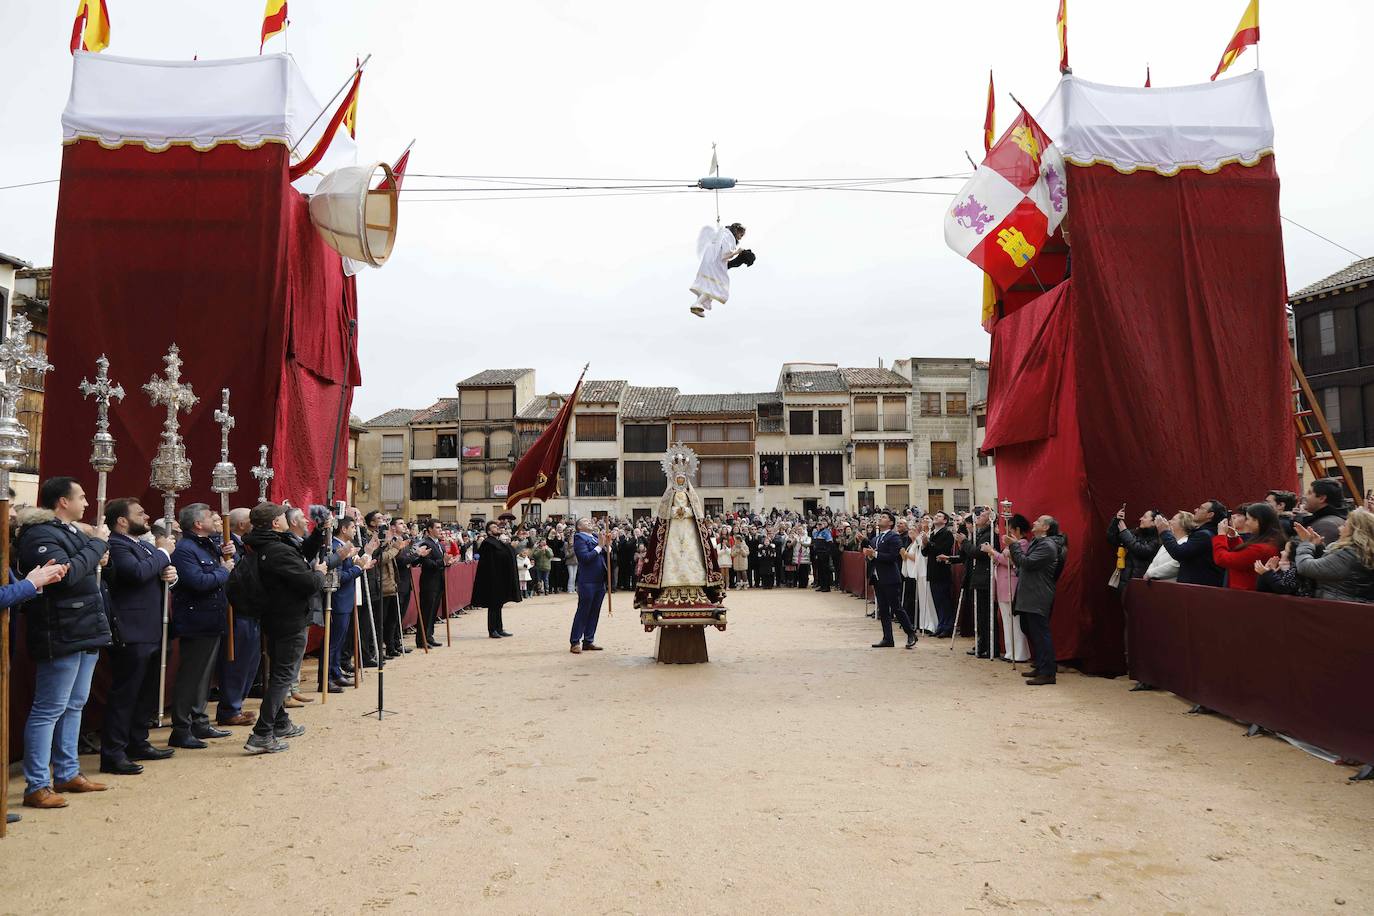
(713, 279)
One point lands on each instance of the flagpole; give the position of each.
(328, 106)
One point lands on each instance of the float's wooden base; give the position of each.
(682, 645)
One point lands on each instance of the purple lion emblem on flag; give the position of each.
(972, 215)
(1059, 194)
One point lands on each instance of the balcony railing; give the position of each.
(475, 493)
(895, 424)
(770, 424)
(1316, 365)
(394, 456)
(939, 468)
(867, 472)
(596, 488)
(865, 424)
(894, 471)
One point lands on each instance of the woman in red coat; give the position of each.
(1263, 539)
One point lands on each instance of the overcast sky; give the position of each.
(640, 90)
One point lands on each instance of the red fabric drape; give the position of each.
(213, 251)
(1155, 376)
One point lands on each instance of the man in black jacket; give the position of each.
(287, 581)
(66, 628)
(1195, 566)
(136, 576)
(884, 550)
(1324, 502)
(978, 581)
(496, 582)
(938, 551)
(429, 556)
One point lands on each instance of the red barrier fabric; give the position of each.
(1293, 665)
(1155, 376)
(213, 251)
(852, 575)
(460, 579)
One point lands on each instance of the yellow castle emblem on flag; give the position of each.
(1025, 138)
(1013, 242)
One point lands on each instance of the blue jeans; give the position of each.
(236, 677)
(61, 686)
(589, 597)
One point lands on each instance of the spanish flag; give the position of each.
(1247, 33)
(989, 316)
(351, 115)
(313, 158)
(273, 21)
(91, 28)
(1061, 25)
(989, 120)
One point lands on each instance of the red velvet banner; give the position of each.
(213, 251)
(1156, 376)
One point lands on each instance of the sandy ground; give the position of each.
(800, 771)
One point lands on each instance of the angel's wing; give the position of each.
(705, 239)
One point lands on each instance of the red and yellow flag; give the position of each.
(313, 158)
(1061, 25)
(989, 119)
(1247, 33)
(91, 28)
(989, 316)
(273, 21)
(351, 115)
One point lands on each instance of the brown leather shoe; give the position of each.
(292, 703)
(44, 798)
(302, 698)
(243, 718)
(575, 648)
(79, 783)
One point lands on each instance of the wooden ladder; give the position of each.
(1305, 418)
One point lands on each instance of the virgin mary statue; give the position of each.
(681, 570)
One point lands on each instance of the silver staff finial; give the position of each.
(15, 359)
(224, 478)
(105, 391)
(263, 472)
(171, 472)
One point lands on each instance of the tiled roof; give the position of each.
(13, 261)
(873, 378)
(810, 382)
(397, 416)
(602, 392)
(1359, 272)
(647, 403)
(720, 403)
(537, 408)
(489, 377)
(445, 410)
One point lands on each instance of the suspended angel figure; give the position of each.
(719, 250)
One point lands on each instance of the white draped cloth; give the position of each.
(717, 247)
(925, 602)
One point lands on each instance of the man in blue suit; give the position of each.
(591, 585)
(135, 578)
(885, 551)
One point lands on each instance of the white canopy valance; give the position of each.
(1164, 129)
(247, 101)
